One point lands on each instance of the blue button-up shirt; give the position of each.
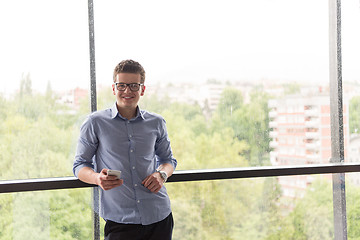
(136, 147)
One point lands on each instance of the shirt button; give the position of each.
(130, 136)
(135, 185)
(131, 150)
(133, 167)
(138, 201)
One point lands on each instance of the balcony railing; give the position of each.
(14, 186)
(311, 135)
(11, 186)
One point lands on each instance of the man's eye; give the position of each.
(133, 85)
(122, 85)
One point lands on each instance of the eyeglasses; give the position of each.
(133, 86)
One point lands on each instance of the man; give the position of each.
(127, 138)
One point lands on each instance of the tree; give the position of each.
(354, 114)
(353, 211)
(230, 101)
(249, 122)
(312, 216)
(291, 88)
(25, 85)
(40, 140)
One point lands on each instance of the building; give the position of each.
(354, 156)
(301, 134)
(73, 97)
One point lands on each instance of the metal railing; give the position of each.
(43, 184)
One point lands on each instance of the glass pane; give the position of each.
(45, 59)
(253, 209)
(60, 214)
(351, 73)
(352, 204)
(350, 34)
(259, 208)
(214, 68)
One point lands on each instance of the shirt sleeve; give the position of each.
(86, 147)
(163, 148)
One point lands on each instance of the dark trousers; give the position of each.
(157, 231)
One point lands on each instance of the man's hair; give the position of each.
(129, 66)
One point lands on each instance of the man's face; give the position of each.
(128, 99)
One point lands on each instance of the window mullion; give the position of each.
(93, 103)
(336, 112)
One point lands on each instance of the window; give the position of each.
(44, 86)
(223, 74)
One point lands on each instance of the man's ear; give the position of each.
(113, 89)
(142, 90)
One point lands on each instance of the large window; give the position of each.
(215, 68)
(240, 84)
(44, 85)
(246, 83)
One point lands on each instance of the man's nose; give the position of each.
(127, 89)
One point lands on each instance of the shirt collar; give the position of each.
(114, 112)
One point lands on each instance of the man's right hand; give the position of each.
(107, 182)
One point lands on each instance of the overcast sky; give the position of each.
(188, 40)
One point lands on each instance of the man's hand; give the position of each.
(154, 182)
(107, 182)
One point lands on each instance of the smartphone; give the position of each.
(116, 173)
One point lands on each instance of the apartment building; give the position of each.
(301, 134)
(354, 157)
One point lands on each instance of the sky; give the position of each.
(183, 41)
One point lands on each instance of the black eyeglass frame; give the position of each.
(130, 85)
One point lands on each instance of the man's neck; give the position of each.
(127, 113)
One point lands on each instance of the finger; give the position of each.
(111, 178)
(149, 186)
(154, 186)
(147, 183)
(114, 182)
(151, 183)
(104, 171)
(103, 174)
(117, 182)
(155, 189)
(109, 184)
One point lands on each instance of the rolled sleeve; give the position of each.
(163, 147)
(86, 147)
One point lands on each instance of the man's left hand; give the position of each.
(154, 182)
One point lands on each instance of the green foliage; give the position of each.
(291, 88)
(31, 221)
(248, 121)
(354, 115)
(63, 214)
(231, 100)
(311, 217)
(4, 108)
(71, 215)
(353, 211)
(36, 141)
(38, 138)
(6, 216)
